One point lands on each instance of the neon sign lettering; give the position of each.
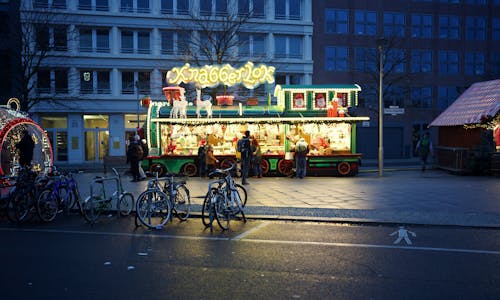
(249, 75)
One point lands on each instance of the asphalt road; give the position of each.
(258, 260)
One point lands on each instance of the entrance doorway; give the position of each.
(96, 137)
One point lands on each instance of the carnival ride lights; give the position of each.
(12, 123)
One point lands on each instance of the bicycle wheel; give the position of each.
(222, 211)
(22, 206)
(182, 203)
(125, 204)
(153, 209)
(92, 208)
(242, 192)
(208, 210)
(47, 205)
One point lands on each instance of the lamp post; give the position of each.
(381, 43)
(137, 92)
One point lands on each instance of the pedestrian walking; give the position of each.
(256, 159)
(246, 155)
(202, 161)
(25, 146)
(301, 150)
(134, 155)
(424, 149)
(211, 160)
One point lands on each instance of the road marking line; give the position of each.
(153, 235)
(374, 246)
(246, 233)
(143, 235)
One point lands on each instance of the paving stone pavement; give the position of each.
(403, 196)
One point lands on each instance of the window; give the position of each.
(336, 59)
(259, 45)
(103, 82)
(449, 27)
(128, 86)
(86, 82)
(395, 61)
(84, 4)
(365, 59)
(474, 63)
(167, 7)
(59, 4)
(143, 42)
(206, 8)
(421, 61)
(336, 21)
(167, 42)
(61, 81)
(143, 6)
(101, 5)
(475, 28)
(60, 38)
(126, 5)
(183, 7)
(130, 79)
(494, 64)
(57, 133)
(287, 9)
(41, 4)
(421, 26)
(448, 62)
(365, 22)
(43, 81)
(94, 40)
(475, 1)
(42, 37)
(288, 46)
(446, 96)
(395, 95)
(102, 40)
(127, 41)
(92, 81)
(394, 24)
(251, 45)
(255, 8)
(221, 7)
(495, 29)
(183, 42)
(244, 45)
(421, 97)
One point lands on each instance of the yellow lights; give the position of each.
(209, 76)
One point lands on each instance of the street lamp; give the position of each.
(380, 44)
(137, 91)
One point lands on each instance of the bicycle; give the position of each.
(60, 194)
(6, 185)
(224, 200)
(99, 202)
(156, 205)
(21, 205)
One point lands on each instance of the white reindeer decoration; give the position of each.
(207, 104)
(179, 108)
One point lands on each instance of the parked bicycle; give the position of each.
(224, 200)
(21, 205)
(99, 201)
(6, 185)
(156, 205)
(60, 194)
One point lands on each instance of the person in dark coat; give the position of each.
(134, 155)
(25, 147)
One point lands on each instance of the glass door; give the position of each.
(96, 144)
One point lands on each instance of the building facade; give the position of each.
(105, 55)
(432, 51)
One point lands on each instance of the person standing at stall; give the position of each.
(246, 155)
(25, 147)
(211, 160)
(201, 159)
(301, 150)
(256, 158)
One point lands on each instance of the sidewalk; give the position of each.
(403, 195)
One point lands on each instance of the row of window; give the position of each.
(418, 61)
(97, 40)
(337, 21)
(283, 9)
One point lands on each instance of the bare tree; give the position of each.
(42, 34)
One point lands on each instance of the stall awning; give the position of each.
(481, 100)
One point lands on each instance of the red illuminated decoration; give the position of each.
(320, 101)
(145, 101)
(298, 100)
(225, 100)
(173, 93)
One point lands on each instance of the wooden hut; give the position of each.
(466, 141)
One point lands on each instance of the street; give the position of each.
(70, 259)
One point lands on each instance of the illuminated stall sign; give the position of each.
(249, 75)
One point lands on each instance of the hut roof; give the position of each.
(482, 99)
